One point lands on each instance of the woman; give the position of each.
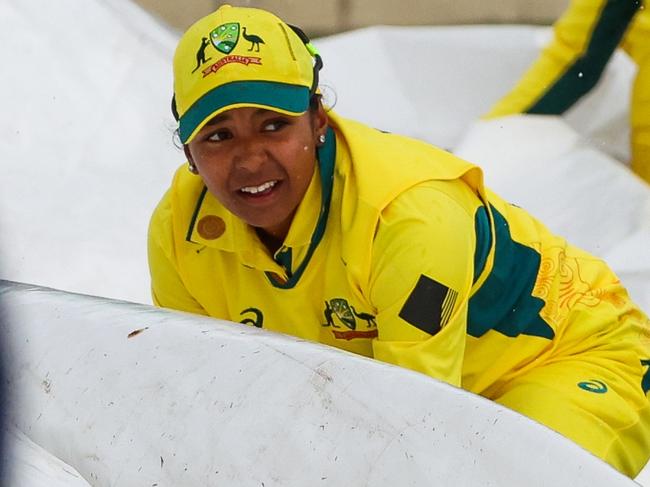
(296, 220)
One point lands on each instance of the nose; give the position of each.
(251, 154)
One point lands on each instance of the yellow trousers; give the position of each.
(590, 393)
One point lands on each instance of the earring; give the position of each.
(321, 139)
(192, 168)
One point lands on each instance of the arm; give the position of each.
(421, 278)
(584, 39)
(167, 288)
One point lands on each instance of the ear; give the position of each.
(188, 154)
(190, 160)
(319, 120)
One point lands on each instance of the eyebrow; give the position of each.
(222, 117)
(219, 118)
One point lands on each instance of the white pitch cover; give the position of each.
(131, 395)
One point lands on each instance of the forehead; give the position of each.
(243, 113)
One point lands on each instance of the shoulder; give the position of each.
(361, 138)
(382, 166)
(433, 218)
(433, 199)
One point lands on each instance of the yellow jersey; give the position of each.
(398, 252)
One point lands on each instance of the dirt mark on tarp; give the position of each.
(137, 332)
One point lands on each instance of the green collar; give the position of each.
(326, 157)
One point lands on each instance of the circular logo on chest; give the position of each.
(211, 227)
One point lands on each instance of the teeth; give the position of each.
(258, 189)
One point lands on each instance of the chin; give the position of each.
(261, 223)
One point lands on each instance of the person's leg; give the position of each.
(600, 415)
(592, 385)
(637, 45)
(640, 121)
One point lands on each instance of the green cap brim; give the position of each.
(291, 99)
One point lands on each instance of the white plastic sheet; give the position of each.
(130, 395)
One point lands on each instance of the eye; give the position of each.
(274, 125)
(219, 135)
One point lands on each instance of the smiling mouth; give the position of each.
(260, 190)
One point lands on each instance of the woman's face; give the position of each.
(258, 163)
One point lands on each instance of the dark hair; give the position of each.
(315, 102)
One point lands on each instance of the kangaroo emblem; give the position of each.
(200, 54)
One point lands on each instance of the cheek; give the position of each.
(300, 155)
(213, 179)
(213, 173)
(207, 161)
(304, 164)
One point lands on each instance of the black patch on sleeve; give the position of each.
(428, 307)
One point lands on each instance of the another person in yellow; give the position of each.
(584, 39)
(299, 221)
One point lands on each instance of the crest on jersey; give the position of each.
(339, 312)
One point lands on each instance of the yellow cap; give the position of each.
(239, 57)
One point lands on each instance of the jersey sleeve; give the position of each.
(167, 288)
(421, 276)
(584, 38)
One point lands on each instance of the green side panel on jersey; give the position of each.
(504, 302)
(483, 240)
(645, 383)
